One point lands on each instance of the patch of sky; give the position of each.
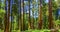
(59, 11)
(47, 1)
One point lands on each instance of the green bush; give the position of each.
(59, 30)
(45, 30)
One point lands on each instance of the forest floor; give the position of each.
(44, 30)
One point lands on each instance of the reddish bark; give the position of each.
(50, 19)
(40, 16)
(7, 18)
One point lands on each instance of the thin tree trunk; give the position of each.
(23, 17)
(5, 17)
(32, 23)
(23, 24)
(7, 20)
(40, 16)
(29, 24)
(11, 17)
(19, 14)
(50, 19)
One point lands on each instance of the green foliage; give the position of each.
(2, 12)
(1, 30)
(14, 9)
(44, 30)
(57, 22)
(59, 30)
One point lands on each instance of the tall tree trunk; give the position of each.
(29, 24)
(5, 17)
(11, 22)
(23, 24)
(7, 20)
(32, 24)
(40, 16)
(50, 19)
(19, 15)
(23, 17)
